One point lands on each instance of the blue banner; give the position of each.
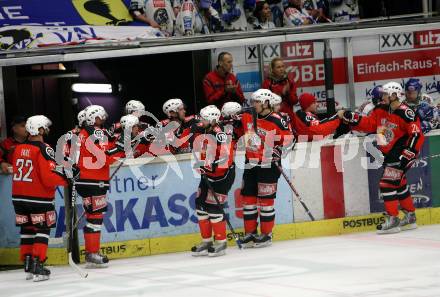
(153, 200)
(66, 12)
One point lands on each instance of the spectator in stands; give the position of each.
(279, 83)
(343, 10)
(233, 14)
(263, 16)
(221, 85)
(208, 18)
(320, 8)
(7, 146)
(296, 15)
(154, 14)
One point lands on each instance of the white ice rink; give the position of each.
(358, 265)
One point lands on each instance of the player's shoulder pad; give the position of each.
(278, 120)
(308, 118)
(47, 152)
(406, 113)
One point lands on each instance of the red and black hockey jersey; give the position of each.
(272, 131)
(34, 175)
(307, 125)
(396, 130)
(176, 141)
(93, 161)
(216, 148)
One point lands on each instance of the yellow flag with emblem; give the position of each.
(103, 12)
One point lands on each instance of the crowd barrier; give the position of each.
(151, 201)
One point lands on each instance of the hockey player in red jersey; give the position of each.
(93, 182)
(215, 144)
(133, 107)
(267, 137)
(139, 145)
(8, 145)
(400, 139)
(75, 131)
(306, 122)
(177, 128)
(33, 189)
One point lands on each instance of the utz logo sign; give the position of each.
(394, 42)
(425, 39)
(297, 50)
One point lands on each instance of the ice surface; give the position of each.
(357, 265)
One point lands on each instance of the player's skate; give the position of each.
(96, 260)
(248, 240)
(201, 249)
(40, 273)
(217, 249)
(409, 221)
(28, 267)
(391, 225)
(263, 240)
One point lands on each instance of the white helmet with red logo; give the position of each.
(262, 95)
(394, 88)
(34, 123)
(230, 109)
(210, 113)
(172, 105)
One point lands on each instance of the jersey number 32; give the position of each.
(24, 168)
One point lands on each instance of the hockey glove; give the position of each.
(406, 159)
(277, 154)
(351, 118)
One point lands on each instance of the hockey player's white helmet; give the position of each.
(394, 88)
(134, 106)
(262, 95)
(93, 112)
(172, 105)
(230, 109)
(82, 116)
(276, 99)
(34, 123)
(210, 113)
(129, 121)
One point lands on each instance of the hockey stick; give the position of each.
(236, 237)
(294, 191)
(72, 263)
(430, 157)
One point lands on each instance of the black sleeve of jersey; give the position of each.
(47, 152)
(279, 121)
(408, 115)
(332, 118)
(304, 117)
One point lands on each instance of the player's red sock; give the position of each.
(41, 241)
(267, 215)
(92, 232)
(407, 204)
(219, 229)
(40, 250)
(250, 214)
(27, 235)
(392, 207)
(205, 229)
(25, 249)
(92, 242)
